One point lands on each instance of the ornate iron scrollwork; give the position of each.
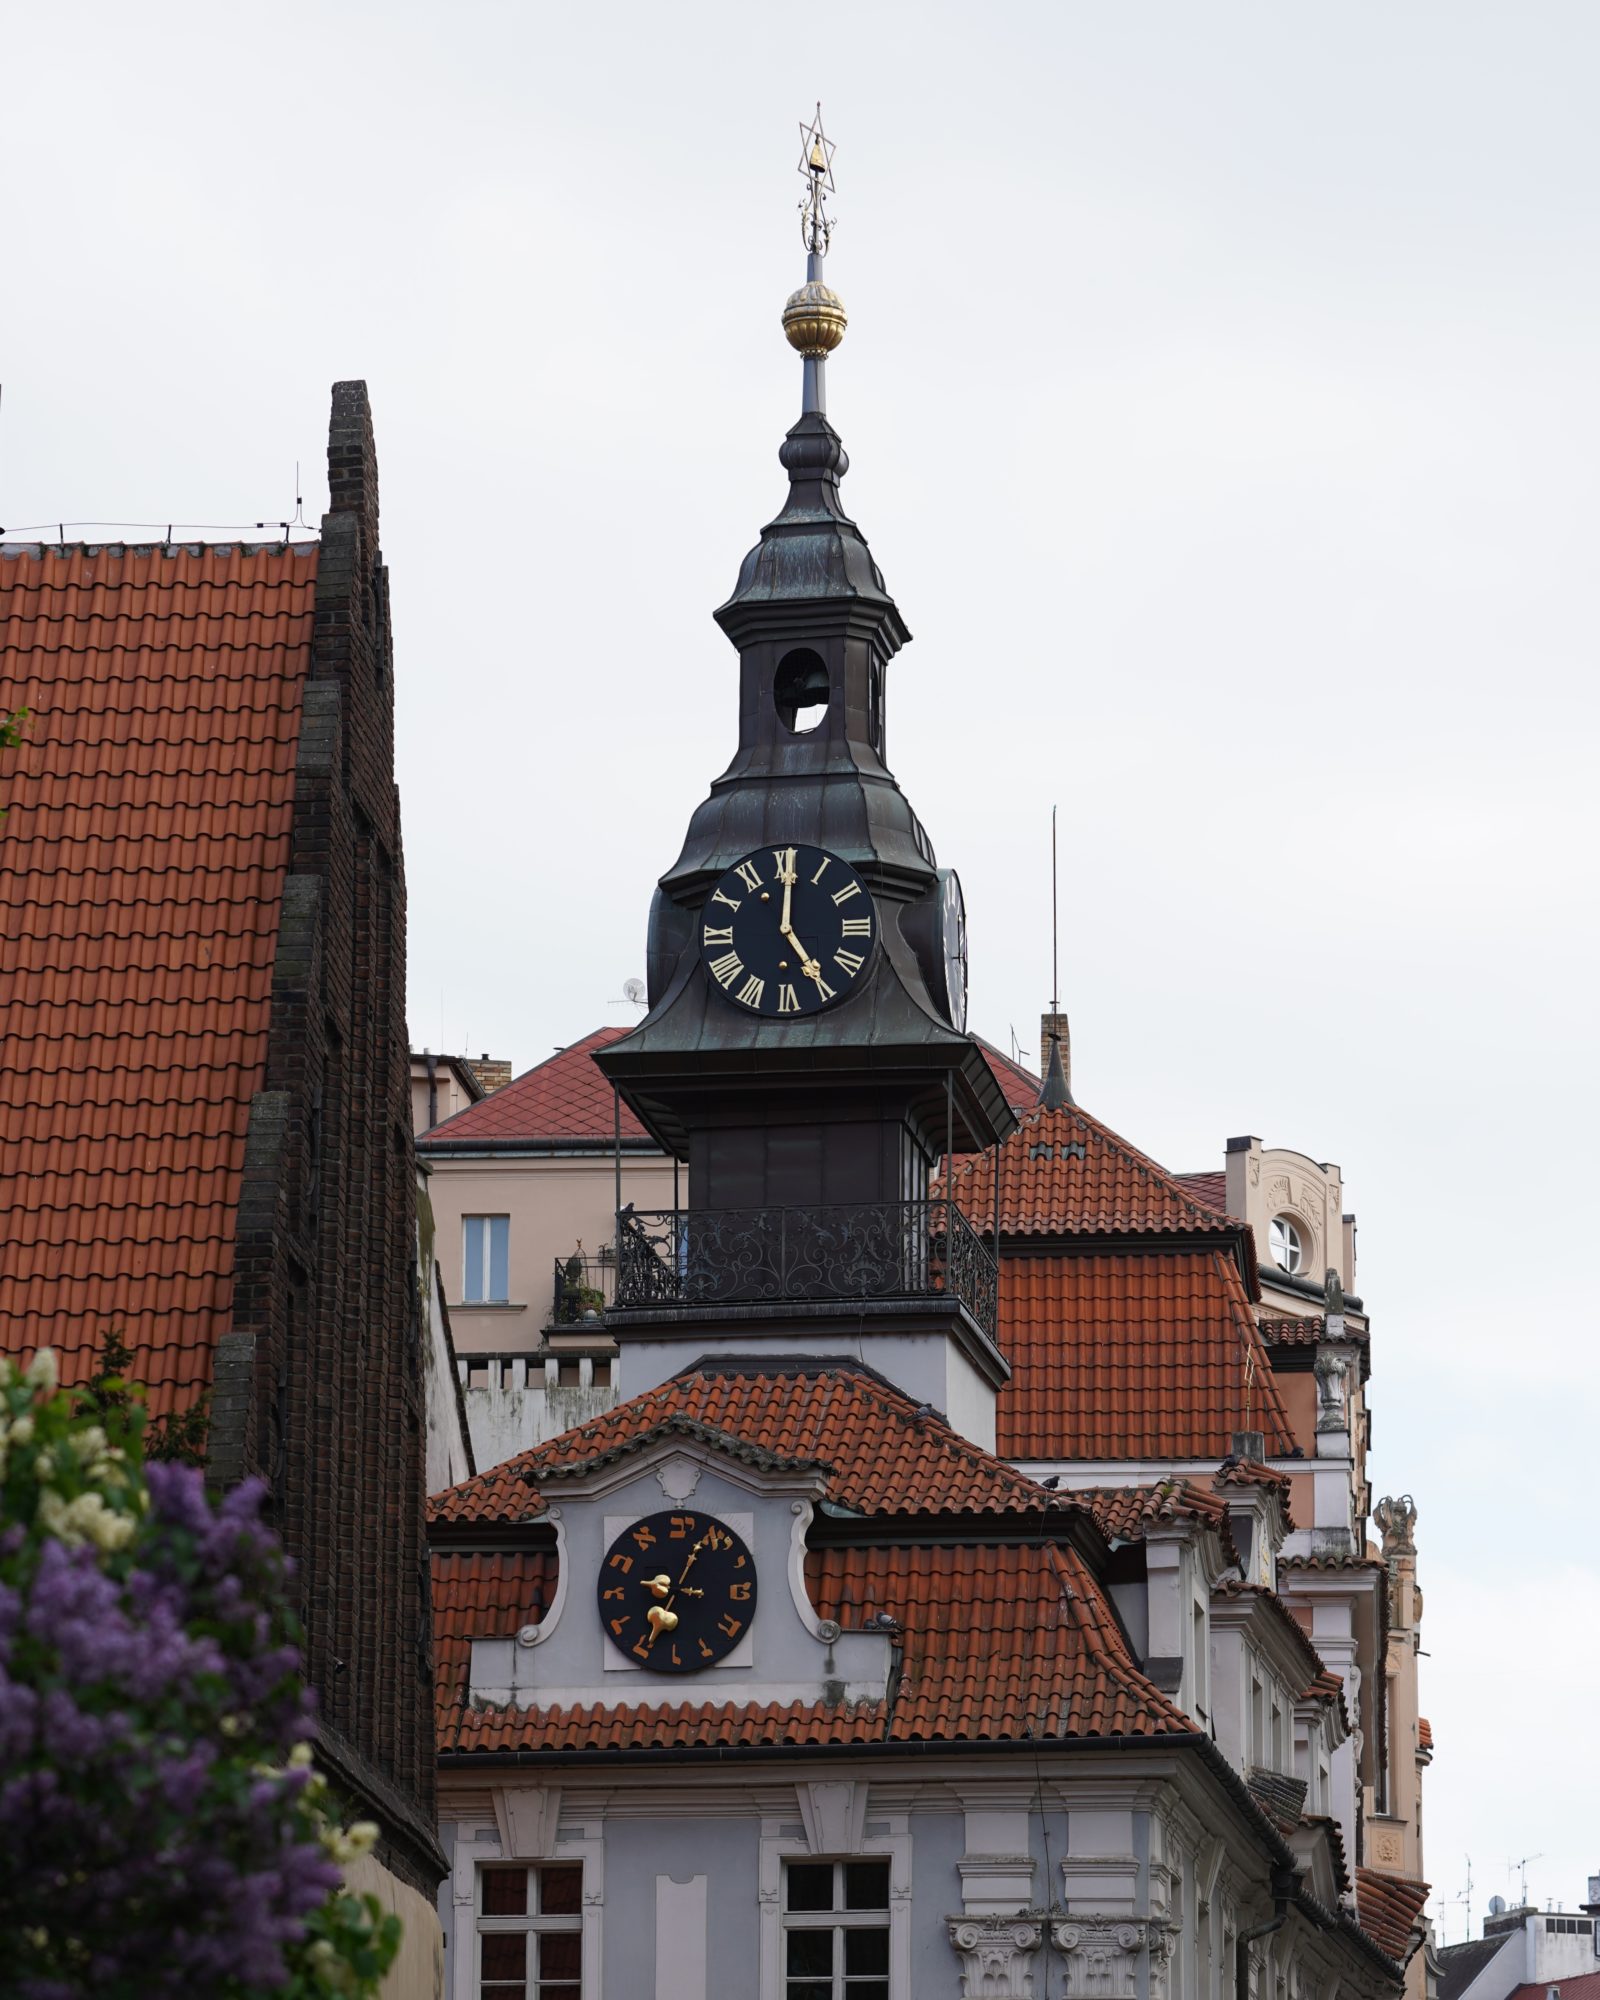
(844, 1251)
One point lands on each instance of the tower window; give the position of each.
(800, 690)
(1288, 1245)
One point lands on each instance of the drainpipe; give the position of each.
(1283, 1888)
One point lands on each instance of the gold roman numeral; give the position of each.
(852, 927)
(749, 994)
(727, 968)
(713, 936)
(826, 859)
(720, 898)
(788, 1000)
(749, 874)
(824, 990)
(843, 895)
(852, 961)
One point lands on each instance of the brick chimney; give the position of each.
(491, 1072)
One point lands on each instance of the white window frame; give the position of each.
(476, 1847)
(1284, 1231)
(525, 1927)
(779, 1846)
(484, 1277)
(837, 1918)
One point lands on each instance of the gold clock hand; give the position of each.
(788, 889)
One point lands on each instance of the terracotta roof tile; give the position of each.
(884, 1458)
(561, 1100)
(1125, 1512)
(1582, 1986)
(1246, 1472)
(141, 866)
(1063, 1173)
(1424, 1733)
(1327, 1686)
(1389, 1906)
(1148, 1355)
(1211, 1189)
(480, 1594)
(997, 1641)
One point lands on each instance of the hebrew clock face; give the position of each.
(677, 1591)
(788, 931)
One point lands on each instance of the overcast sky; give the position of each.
(1221, 395)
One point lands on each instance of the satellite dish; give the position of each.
(1497, 1906)
(633, 991)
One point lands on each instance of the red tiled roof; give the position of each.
(1389, 1906)
(1578, 1986)
(997, 1641)
(142, 860)
(1153, 1354)
(1063, 1173)
(1127, 1511)
(1328, 1687)
(1209, 1188)
(564, 1098)
(1292, 1330)
(481, 1594)
(885, 1459)
(1424, 1733)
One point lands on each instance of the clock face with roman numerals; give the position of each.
(788, 931)
(677, 1591)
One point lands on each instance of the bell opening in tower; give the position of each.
(801, 691)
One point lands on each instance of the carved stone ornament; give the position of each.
(1332, 1292)
(678, 1478)
(1332, 1371)
(995, 1955)
(1395, 1520)
(1103, 1954)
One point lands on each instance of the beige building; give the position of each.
(524, 1186)
(1358, 1602)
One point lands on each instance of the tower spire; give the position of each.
(813, 317)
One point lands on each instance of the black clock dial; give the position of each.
(788, 931)
(677, 1591)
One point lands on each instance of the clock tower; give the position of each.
(805, 1052)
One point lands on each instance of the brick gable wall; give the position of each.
(319, 1382)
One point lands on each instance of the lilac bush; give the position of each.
(163, 1829)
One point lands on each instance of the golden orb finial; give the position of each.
(814, 319)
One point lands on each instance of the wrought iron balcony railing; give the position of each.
(843, 1252)
(583, 1287)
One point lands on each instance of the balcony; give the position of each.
(843, 1254)
(584, 1287)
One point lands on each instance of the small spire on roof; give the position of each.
(1053, 1092)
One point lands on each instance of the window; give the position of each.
(484, 1275)
(530, 1942)
(1288, 1245)
(835, 1930)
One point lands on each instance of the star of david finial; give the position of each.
(816, 170)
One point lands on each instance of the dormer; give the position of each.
(1256, 1498)
(665, 1547)
(1261, 1662)
(1295, 1208)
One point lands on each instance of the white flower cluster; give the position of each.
(87, 1517)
